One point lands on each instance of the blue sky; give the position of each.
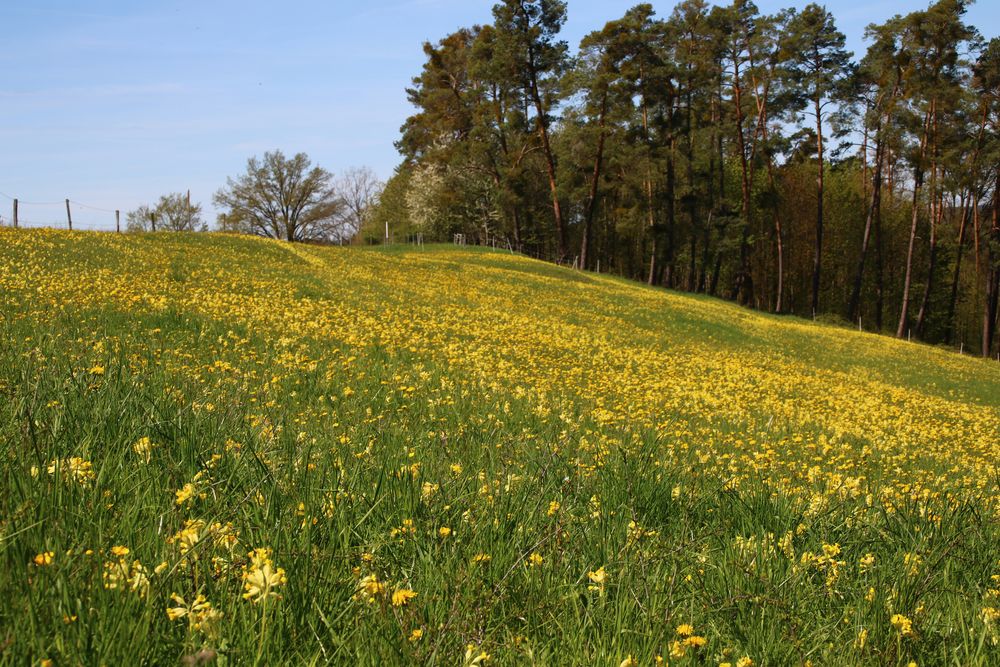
(113, 103)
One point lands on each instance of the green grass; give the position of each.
(318, 441)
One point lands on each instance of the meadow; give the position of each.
(225, 450)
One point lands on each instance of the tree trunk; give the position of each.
(691, 200)
(550, 164)
(668, 265)
(936, 212)
(879, 270)
(818, 251)
(854, 304)
(594, 180)
(993, 274)
(953, 301)
(742, 288)
(918, 177)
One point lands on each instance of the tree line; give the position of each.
(724, 151)
(278, 197)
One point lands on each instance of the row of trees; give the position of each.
(278, 197)
(725, 151)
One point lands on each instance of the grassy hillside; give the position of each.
(230, 449)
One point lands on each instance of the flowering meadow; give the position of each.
(225, 450)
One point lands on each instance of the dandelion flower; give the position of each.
(44, 558)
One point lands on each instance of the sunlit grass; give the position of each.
(564, 468)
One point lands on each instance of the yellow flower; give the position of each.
(189, 536)
(73, 468)
(745, 661)
(200, 614)
(416, 635)
(402, 596)
(599, 578)
(44, 558)
(695, 641)
(119, 551)
(444, 531)
(629, 661)
(96, 370)
(902, 624)
(685, 629)
(144, 448)
(180, 611)
(120, 575)
(535, 559)
(553, 507)
(370, 586)
(990, 615)
(427, 491)
(677, 650)
(261, 578)
(482, 559)
(185, 494)
(474, 656)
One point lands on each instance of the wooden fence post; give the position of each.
(118, 221)
(152, 220)
(69, 218)
(15, 213)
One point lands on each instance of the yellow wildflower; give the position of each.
(144, 448)
(44, 558)
(402, 596)
(902, 624)
(677, 650)
(261, 578)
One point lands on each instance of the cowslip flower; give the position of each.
(200, 614)
(902, 624)
(260, 578)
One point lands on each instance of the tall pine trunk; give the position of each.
(595, 177)
(993, 274)
(550, 164)
(854, 305)
(918, 179)
(953, 301)
(818, 250)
